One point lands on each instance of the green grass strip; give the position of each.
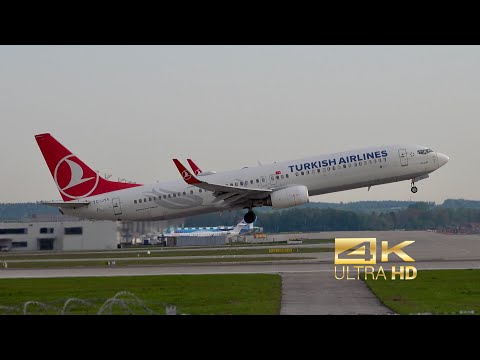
(144, 254)
(432, 292)
(133, 262)
(191, 294)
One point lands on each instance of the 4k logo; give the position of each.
(357, 255)
(363, 251)
(358, 251)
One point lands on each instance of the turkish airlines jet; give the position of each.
(280, 185)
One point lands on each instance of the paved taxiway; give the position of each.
(309, 287)
(231, 268)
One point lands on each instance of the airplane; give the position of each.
(280, 185)
(209, 231)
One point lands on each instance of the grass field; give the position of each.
(144, 254)
(432, 291)
(133, 262)
(191, 294)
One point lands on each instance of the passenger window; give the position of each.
(140, 201)
(365, 162)
(308, 172)
(318, 170)
(231, 184)
(241, 183)
(236, 184)
(184, 193)
(272, 178)
(360, 163)
(134, 201)
(174, 195)
(145, 200)
(179, 194)
(296, 173)
(251, 181)
(278, 177)
(282, 176)
(286, 175)
(149, 199)
(328, 168)
(324, 170)
(345, 166)
(258, 181)
(169, 196)
(369, 161)
(302, 173)
(199, 190)
(333, 167)
(354, 164)
(191, 191)
(263, 179)
(374, 161)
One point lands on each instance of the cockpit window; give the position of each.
(425, 151)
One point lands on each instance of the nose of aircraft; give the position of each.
(442, 159)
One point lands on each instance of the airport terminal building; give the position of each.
(49, 232)
(33, 235)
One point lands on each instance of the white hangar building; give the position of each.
(47, 232)
(33, 235)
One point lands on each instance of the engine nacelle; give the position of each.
(288, 197)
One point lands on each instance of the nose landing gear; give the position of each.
(414, 189)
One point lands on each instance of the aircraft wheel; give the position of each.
(414, 189)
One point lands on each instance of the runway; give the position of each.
(235, 268)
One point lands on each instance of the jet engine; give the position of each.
(288, 197)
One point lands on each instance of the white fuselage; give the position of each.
(320, 174)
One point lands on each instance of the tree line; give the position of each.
(315, 217)
(418, 216)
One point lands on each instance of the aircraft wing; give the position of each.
(66, 205)
(230, 195)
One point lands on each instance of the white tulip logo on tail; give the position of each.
(186, 175)
(73, 180)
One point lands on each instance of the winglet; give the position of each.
(186, 175)
(195, 168)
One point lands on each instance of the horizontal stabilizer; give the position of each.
(65, 205)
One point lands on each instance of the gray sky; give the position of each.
(128, 110)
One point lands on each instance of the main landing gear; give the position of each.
(414, 188)
(249, 217)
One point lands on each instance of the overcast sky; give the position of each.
(128, 110)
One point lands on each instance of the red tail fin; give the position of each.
(195, 168)
(74, 179)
